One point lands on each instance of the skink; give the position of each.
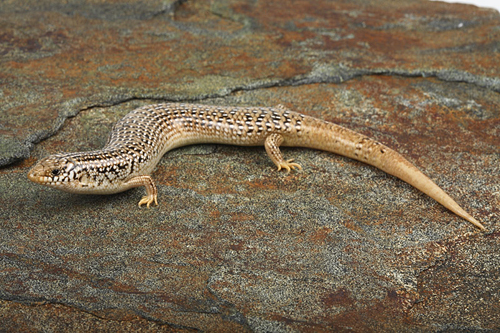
(142, 137)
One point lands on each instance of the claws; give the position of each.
(288, 166)
(148, 200)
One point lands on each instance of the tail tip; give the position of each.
(476, 223)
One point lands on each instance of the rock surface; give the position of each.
(235, 245)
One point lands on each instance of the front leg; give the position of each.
(272, 145)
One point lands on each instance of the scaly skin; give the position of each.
(139, 140)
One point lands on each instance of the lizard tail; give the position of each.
(318, 134)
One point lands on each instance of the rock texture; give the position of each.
(235, 245)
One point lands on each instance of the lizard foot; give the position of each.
(288, 166)
(148, 200)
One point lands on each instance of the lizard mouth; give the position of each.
(34, 175)
(38, 174)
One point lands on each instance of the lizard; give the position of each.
(139, 140)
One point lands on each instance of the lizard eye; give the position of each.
(56, 172)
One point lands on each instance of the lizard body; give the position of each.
(142, 137)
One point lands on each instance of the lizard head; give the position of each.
(83, 173)
(58, 171)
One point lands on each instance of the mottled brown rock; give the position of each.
(235, 245)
